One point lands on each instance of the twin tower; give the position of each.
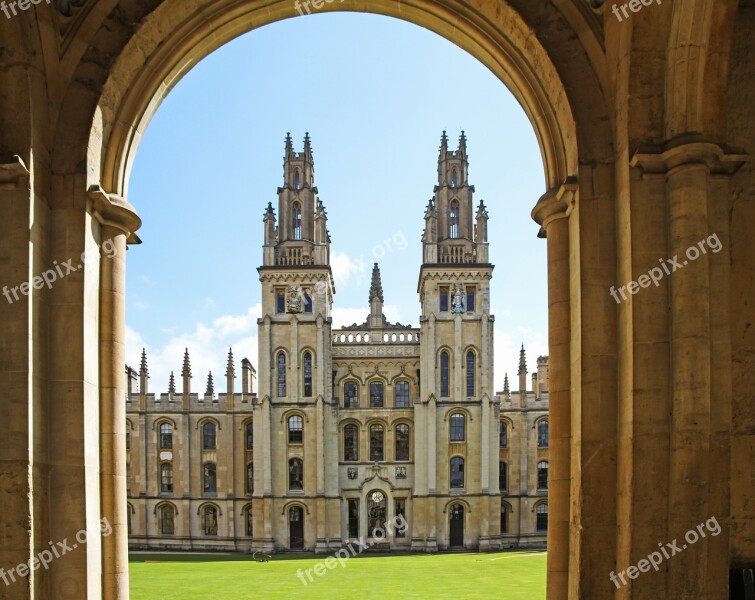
(378, 430)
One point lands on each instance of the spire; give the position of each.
(210, 385)
(172, 384)
(143, 366)
(506, 389)
(307, 146)
(269, 212)
(443, 145)
(522, 377)
(143, 374)
(463, 143)
(289, 143)
(230, 371)
(186, 371)
(376, 287)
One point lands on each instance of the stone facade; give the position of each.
(351, 427)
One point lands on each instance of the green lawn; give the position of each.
(506, 575)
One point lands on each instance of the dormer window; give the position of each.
(297, 182)
(296, 221)
(454, 177)
(453, 220)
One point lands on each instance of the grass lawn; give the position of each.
(506, 575)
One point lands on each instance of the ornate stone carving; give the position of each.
(457, 299)
(294, 299)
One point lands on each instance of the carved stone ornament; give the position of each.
(352, 472)
(293, 299)
(457, 299)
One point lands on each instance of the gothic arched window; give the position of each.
(210, 520)
(307, 374)
(542, 434)
(295, 430)
(457, 427)
(376, 442)
(166, 436)
(209, 436)
(281, 375)
(454, 177)
(444, 365)
(297, 182)
(296, 221)
(470, 374)
(453, 220)
(350, 443)
(167, 523)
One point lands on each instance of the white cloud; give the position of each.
(344, 267)
(208, 351)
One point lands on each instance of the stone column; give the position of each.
(700, 419)
(552, 212)
(117, 222)
(22, 362)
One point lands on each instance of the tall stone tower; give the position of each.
(456, 420)
(294, 415)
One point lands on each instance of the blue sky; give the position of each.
(375, 93)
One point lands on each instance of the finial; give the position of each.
(230, 371)
(172, 384)
(462, 141)
(506, 390)
(210, 386)
(143, 366)
(522, 361)
(376, 286)
(482, 211)
(289, 143)
(186, 371)
(444, 141)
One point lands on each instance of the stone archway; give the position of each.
(124, 110)
(632, 123)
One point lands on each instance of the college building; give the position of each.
(341, 431)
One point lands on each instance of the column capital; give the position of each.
(713, 156)
(556, 203)
(14, 174)
(114, 210)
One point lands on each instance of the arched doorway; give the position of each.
(296, 528)
(456, 527)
